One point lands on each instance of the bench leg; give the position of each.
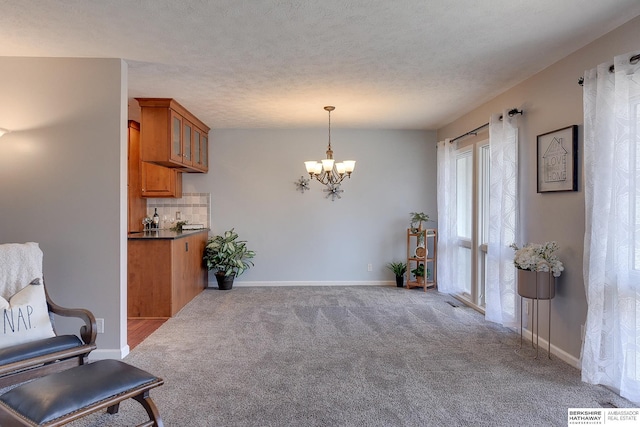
(146, 402)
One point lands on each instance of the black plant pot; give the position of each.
(399, 281)
(225, 282)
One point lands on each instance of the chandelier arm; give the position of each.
(331, 177)
(323, 178)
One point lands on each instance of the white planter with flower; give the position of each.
(538, 266)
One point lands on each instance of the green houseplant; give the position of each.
(398, 268)
(419, 273)
(418, 218)
(229, 256)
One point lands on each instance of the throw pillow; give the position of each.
(25, 317)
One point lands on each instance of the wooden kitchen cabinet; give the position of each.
(164, 274)
(146, 180)
(202, 159)
(136, 205)
(159, 181)
(171, 136)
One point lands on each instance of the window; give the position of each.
(472, 206)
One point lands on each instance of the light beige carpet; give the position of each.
(348, 356)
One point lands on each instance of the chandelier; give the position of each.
(326, 170)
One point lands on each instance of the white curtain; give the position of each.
(611, 349)
(447, 218)
(500, 288)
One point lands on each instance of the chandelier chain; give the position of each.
(329, 129)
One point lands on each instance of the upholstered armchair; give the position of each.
(29, 344)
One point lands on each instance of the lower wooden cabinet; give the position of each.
(165, 274)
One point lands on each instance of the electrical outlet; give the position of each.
(369, 267)
(100, 325)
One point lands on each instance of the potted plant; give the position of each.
(418, 218)
(419, 273)
(531, 259)
(228, 256)
(398, 268)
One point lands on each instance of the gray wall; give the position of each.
(303, 238)
(552, 99)
(63, 181)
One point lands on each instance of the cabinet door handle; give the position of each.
(186, 246)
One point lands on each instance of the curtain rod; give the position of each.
(511, 113)
(633, 60)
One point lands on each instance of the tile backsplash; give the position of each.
(193, 207)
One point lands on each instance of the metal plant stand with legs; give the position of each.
(541, 288)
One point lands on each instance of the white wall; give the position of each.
(304, 237)
(552, 99)
(63, 180)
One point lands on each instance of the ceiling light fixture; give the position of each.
(326, 171)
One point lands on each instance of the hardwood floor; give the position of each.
(139, 329)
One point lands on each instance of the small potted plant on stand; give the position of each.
(228, 256)
(419, 273)
(418, 218)
(398, 268)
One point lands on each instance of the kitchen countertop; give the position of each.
(164, 234)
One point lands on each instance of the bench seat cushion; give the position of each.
(29, 350)
(57, 395)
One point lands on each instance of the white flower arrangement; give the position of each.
(538, 257)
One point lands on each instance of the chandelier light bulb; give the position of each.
(327, 165)
(349, 165)
(311, 166)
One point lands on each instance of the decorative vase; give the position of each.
(421, 252)
(225, 283)
(400, 281)
(420, 280)
(536, 285)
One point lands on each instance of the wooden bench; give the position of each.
(60, 398)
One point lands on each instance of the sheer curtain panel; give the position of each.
(611, 348)
(501, 296)
(447, 217)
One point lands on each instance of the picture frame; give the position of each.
(557, 160)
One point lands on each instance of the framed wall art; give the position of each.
(557, 155)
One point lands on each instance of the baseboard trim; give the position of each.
(527, 336)
(101, 354)
(241, 284)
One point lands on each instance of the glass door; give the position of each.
(472, 206)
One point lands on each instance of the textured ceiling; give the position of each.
(402, 64)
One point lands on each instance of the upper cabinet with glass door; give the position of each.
(171, 136)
